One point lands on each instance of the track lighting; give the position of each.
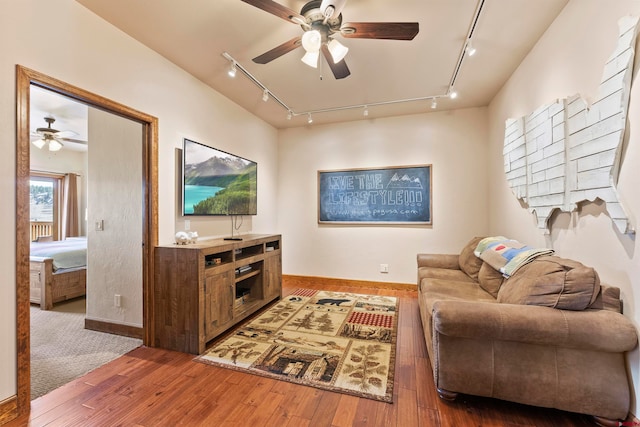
(232, 70)
(470, 49)
(312, 41)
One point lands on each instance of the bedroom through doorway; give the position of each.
(86, 204)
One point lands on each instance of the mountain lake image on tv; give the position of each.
(216, 182)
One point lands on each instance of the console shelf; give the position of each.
(203, 289)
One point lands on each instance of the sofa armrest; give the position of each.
(599, 330)
(439, 261)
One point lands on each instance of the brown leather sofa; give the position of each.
(550, 335)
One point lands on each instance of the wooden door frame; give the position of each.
(26, 77)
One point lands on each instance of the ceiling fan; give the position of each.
(321, 20)
(48, 136)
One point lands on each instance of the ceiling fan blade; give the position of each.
(76, 141)
(277, 10)
(339, 70)
(278, 51)
(65, 134)
(380, 30)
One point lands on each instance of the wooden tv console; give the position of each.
(203, 289)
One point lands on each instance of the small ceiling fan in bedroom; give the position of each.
(321, 20)
(48, 136)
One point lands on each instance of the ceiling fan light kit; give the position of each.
(338, 50)
(48, 136)
(321, 20)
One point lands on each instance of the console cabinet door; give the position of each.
(272, 277)
(218, 303)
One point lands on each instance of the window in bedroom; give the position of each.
(44, 198)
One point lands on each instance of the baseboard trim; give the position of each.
(311, 281)
(114, 328)
(8, 410)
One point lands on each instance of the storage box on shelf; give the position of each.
(203, 289)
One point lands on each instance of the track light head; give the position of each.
(265, 95)
(233, 69)
(309, 119)
(434, 104)
(470, 49)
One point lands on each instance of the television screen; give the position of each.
(216, 182)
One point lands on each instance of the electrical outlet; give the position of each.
(117, 300)
(384, 268)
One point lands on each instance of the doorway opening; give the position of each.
(27, 78)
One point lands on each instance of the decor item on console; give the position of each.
(183, 237)
(550, 335)
(568, 152)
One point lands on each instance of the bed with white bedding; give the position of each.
(58, 271)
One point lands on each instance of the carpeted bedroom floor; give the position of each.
(62, 350)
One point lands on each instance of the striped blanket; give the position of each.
(506, 255)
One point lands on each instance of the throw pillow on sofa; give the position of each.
(490, 279)
(552, 282)
(468, 262)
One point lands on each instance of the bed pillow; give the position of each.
(468, 262)
(552, 282)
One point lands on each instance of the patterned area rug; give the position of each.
(336, 341)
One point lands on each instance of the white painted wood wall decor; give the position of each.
(567, 152)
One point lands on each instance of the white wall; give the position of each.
(568, 60)
(114, 254)
(87, 52)
(454, 143)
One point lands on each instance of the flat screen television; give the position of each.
(215, 182)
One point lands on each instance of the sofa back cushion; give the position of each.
(608, 299)
(490, 279)
(552, 282)
(469, 263)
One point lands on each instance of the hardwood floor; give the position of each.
(153, 387)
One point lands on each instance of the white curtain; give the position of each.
(70, 217)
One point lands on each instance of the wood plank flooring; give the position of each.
(152, 387)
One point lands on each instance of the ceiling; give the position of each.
(195, 34)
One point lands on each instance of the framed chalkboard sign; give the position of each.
(394, 195)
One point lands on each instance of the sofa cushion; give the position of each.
(490, 279)
(469, 263)
(608, 299)
(442, 273)
(552, 282)
(433, 290)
